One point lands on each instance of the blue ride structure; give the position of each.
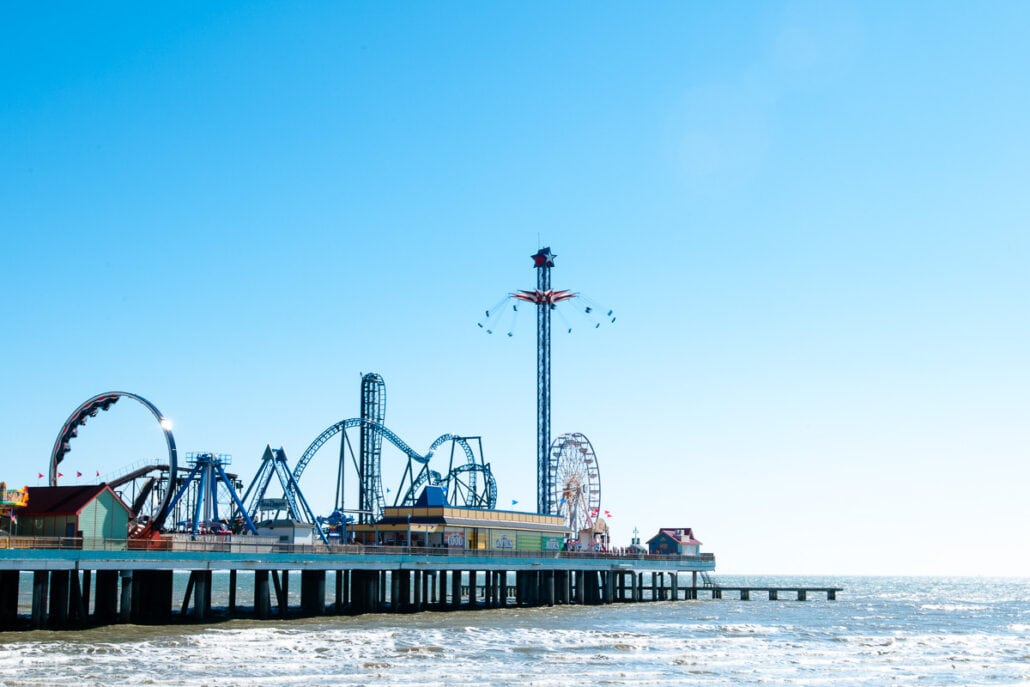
(256, 502)
(160, 491)
(468, 480)
(207, 472)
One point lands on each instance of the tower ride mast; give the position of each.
(545, 300)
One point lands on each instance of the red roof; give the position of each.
(685, 536)
(65, 500)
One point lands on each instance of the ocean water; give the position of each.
(880, 631)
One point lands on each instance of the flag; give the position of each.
(40, 476)
(14, 518)
(78, 474)
(98, 473)
(513, 502)
(60, 474)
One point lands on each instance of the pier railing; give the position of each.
(252, 545)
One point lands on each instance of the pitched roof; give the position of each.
(65, 500)
(686, 536)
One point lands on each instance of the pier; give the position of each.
(75, 588)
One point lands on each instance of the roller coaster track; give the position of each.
(417, 473)
(390, 436)
(89, 409)
(136, 474)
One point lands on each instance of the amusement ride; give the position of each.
(568, 479)
(203, 497)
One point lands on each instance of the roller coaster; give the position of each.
(163, 497)
(468, 482)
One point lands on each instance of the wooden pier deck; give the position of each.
(73, 588)
(744, 593)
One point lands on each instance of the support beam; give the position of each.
(40, 594)
(152, 597)
(395, 592)
(80, 598)
(9, 581)
(125, 608)
(282, 591)
(339, 598)
(262, 595)
(232, 593)
(59, 598)
(609, 586)
(202, 595)
(417, 581)
(312, 592)
(106, 605)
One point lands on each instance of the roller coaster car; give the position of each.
(144, 537)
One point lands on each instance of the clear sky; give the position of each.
(811, 219)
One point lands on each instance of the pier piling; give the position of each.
(76, 588)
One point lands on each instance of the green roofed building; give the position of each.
(91, 514)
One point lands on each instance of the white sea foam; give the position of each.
(879, 631)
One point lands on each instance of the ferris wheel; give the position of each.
(575, 481)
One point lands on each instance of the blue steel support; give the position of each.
(544, 261)
(236, 499)
(209, 469)
(200, 496)
(179, 494)
(373, 407)
(290, 490)
(291, 487)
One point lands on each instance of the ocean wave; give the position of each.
(874, 639)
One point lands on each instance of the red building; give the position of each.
(674, 541)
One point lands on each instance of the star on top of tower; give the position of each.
(543, 258)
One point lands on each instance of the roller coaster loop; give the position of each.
(90, 409)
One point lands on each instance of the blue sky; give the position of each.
(811, 220)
